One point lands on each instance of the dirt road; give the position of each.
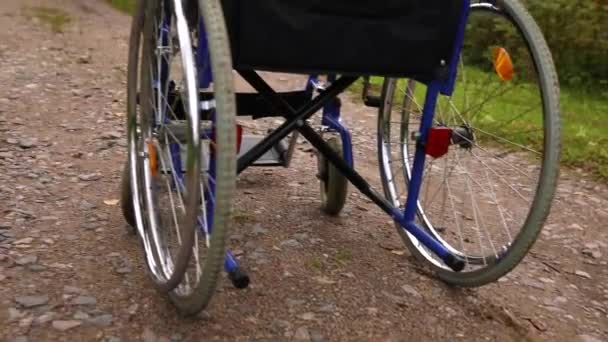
(70, 272)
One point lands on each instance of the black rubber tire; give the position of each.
(223, 85)
(126, 200)
(333, 185)
(517, 14)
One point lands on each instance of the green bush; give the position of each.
(577, 34)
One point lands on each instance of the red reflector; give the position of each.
(438, 141)
(239, 137)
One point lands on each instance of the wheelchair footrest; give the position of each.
(274, 157)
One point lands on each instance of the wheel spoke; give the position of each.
(205, 224)
(172, 202)
(513, 167)
(506, 140)
(456, 221)
(495, 200)
(502, 178)
(474, 207)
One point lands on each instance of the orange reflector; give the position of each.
(152, 158)
(503, 64)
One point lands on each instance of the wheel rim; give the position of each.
(134, 135)
(466, 173)
(218, 148)
(167, 160)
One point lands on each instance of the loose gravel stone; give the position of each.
(66, 325)
(27, 143)
(26, 323)
(90, 225)
(316, 337)
(84, 205)
(14, 314)
(89, 177)
(32, 301)
(291, 243)
(79, 315)
(307, 316)
(258, 230)
(24, 241)
(301, 334)
(84, 300)
(36, 268)
(124, 270)
(101, 320)
(411, 291)
(328, 308)
(72, 290)
(279, 325)
(582, 274)
(112, 135)
(45, 318)
(149, 336)
(26, 260)
(588, 338)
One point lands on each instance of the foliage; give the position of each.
(576, 32)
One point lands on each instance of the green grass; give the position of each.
(585, 130)
(127, 6)
(240, 216)
(56, 18)
(315, 264)
(344, 256)
(584, 117)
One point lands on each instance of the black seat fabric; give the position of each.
(407, 38)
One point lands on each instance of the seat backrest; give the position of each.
(406, 38)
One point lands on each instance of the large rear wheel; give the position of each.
(487, 199)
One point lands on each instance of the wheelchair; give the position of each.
(468, 128)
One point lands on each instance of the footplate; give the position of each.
(276, 156)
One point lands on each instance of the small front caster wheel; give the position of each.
(334, 186)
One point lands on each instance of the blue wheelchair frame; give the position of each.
(328, 102)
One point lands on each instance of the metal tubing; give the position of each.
(428, 112)
(295, 119)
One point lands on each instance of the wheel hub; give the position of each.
(463, 136)
(440, 139)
